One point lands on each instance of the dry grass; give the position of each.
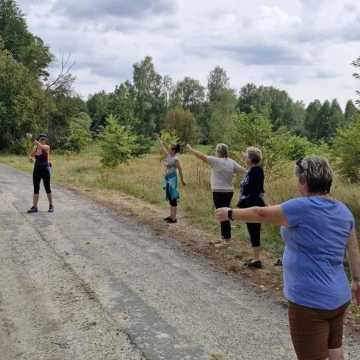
(141, 178)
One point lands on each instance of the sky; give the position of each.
(302, 46)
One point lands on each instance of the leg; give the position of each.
(36, 183)
(46, 180)
(309, 333)
(254, 233)
(336, 334)
(223, 199)
(336, 354)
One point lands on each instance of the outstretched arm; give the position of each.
(268, 215)
(197, 153)
(354, 261)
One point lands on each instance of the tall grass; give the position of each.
(142, 178)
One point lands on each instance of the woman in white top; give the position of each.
(222, 172)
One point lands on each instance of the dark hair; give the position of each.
(176, 148)
(43, 136)
(316, 172)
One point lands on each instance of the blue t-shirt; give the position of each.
(315, 243)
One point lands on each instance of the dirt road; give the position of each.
(83, 283)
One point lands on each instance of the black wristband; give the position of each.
(230, 214)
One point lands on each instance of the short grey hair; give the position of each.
(222, 150)
(254, 154)
(316, 172)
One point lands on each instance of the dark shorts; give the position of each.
(314, 332)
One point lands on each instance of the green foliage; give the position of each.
(218, 81)
(222, 116)
(347, 150)
(24, 106)
(184, 124)
(118, 144)
(252, 129)
(21, 146)
(79, 133)
(25, 48)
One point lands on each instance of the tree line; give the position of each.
(186, 110)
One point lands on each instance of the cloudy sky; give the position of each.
(303, 46)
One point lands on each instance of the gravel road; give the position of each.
(83, 283)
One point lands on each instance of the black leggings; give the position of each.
(44, 174)
(223, 199)
(254, 229)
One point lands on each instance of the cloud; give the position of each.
(122, 9)
(303, 46)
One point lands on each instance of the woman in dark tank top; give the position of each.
(42, 171)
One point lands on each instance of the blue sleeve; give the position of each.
(294, 211)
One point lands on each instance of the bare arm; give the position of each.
(354, 262)
(268, 215)
(32, 153)
(42, 146)
(178, 165)
(197, 153)
(164, 147)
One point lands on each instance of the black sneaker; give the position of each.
(167, 218)
(171, 221)
(254, 264)
(32, 210)
(51, 209)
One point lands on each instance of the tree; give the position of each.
(98, 108)
(184, 124)
(117, 143)
(189, 94)
(218, 81)
(24, 106)
(347, 150)
(222, 116)
(78, 135)
(356, 64)
(350, 112)
(311, 125)
(150, 99)
(25, 48)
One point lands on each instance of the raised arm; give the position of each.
(354, 262)
(197, 153)
(178, 165)
(164, 147)
(32, 153)
(42, 146)
(268, 215)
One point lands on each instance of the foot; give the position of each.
(167, 218)
(254, 264)
(51, 209)
(171, 221)
(278, 263)
(222, 243)
(32, 210)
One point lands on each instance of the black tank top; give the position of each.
(42, 159)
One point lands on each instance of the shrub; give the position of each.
(79, 133)
(118, 144)
(346, 149)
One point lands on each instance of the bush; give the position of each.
(79, 133)
(21, 147)
(118, 144)
(346, 149)
(184, 124)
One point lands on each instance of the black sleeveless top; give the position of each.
(42, 160)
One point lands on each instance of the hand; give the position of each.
(355, 287)
(222, 214)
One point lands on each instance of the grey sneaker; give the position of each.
(32, 210)
(51, 209)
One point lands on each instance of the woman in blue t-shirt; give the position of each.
(317, 231)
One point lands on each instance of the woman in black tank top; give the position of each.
(42, 171)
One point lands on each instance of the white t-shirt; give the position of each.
(222, 172)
